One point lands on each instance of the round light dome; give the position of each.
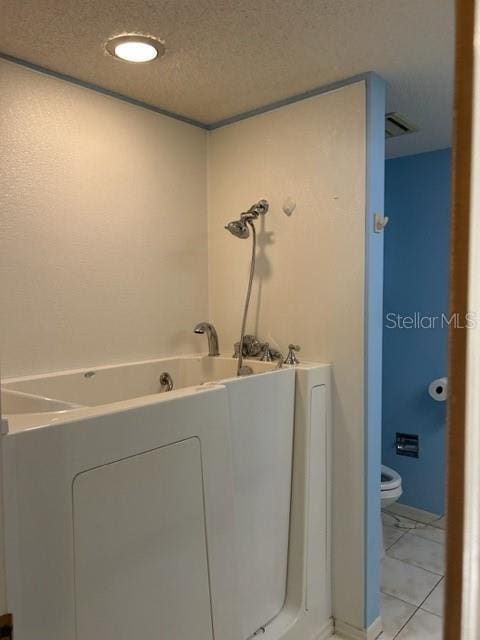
(135, 48)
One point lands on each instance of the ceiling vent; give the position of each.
(397, 125)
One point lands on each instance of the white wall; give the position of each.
(310, 285)
(104, 231)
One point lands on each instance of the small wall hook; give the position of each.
(289, 206)
(379, 222)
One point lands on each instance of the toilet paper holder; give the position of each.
(407, 444)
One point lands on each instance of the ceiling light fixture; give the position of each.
(133, 47)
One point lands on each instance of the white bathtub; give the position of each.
(94, 459)
(105, 385)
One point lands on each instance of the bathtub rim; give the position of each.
(108, 367)
(12, 422)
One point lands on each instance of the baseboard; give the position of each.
(412, 513)
(348, 632)
(326, 632)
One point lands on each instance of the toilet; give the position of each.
(390, 491)
(391, 486)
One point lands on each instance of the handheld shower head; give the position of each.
(238, 228)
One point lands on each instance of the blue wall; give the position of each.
(416, 280)
(375, 201)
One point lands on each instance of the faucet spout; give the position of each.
(212, 337)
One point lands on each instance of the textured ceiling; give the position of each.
(225, 57)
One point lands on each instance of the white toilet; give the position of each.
(391, 486)
(390, 490)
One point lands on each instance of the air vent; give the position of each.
(397, 125)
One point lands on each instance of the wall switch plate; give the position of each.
(407, 444)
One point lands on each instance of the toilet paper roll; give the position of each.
(438, 388)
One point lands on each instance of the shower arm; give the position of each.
(260, 208)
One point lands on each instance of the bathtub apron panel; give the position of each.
(140, 548)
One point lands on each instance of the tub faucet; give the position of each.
(212, 336)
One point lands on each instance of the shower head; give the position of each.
(238, 228)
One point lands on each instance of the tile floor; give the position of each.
(412, 574)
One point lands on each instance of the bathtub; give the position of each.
(106, 385)
(210, 499)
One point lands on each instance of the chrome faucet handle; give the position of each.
(271, 355)
(267, 355)
(292, 357)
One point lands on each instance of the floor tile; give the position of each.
(394, 613)
(434, 602)
(412, 513)
(386, 518)
(420, 552)
(391, 535)
(394, 520)
(406, 582)
(430, 533)
(423, 626)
